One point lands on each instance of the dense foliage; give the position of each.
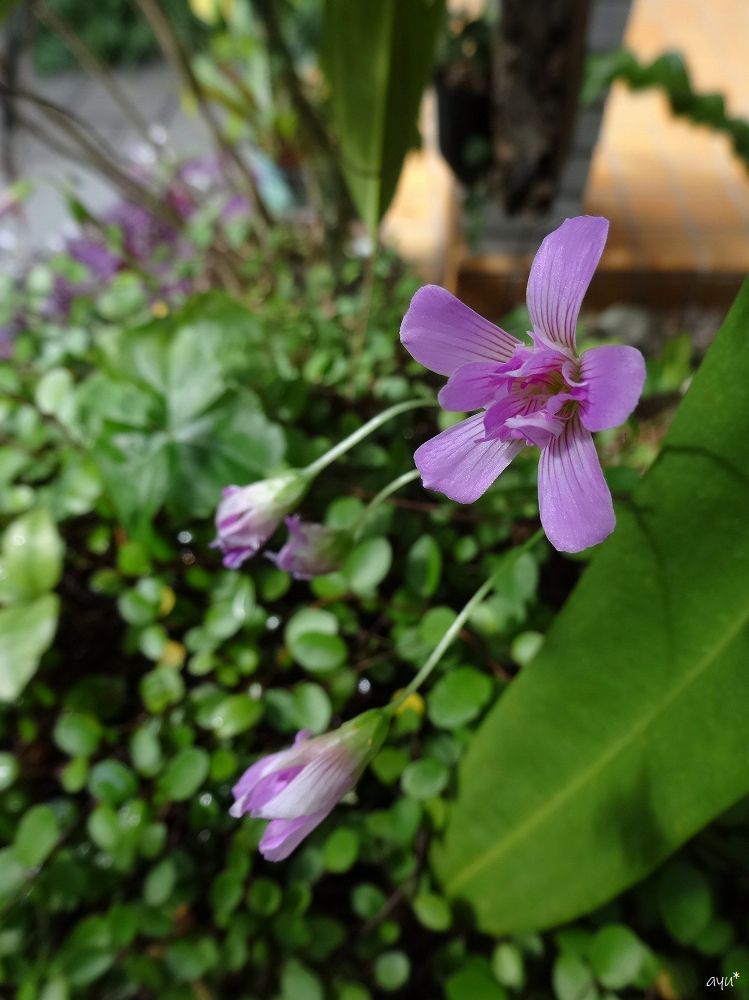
(124, 875)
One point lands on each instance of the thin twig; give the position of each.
(180, 61)
(94, 67)
(95, 150)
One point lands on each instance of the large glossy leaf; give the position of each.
(629, 731)
(378, 54)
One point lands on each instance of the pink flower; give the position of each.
(311, 549)
(544, 394)
(297, 788)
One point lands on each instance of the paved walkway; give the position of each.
(45, 218)
(677, 196)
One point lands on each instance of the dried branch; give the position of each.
(180, 61)
(94, 67)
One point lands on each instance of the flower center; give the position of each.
(538, 391)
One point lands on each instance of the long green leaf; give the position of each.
(378, 54)
(629, 731)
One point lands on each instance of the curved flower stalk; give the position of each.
(298, 788)
(544, 394)
(248, 515)
(311, 549)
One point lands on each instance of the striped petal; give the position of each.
(442, 333)
(560, 275)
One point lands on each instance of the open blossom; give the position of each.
(311, 549)
(543, 394)
(297, 788)
(248, 515)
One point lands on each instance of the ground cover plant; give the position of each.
(324, 678)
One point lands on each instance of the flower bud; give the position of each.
(298, 788)
(311, 549)
(248, 515)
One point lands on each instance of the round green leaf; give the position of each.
(368, 565)
(341, 850)
(432, 911)
(314, 620)
(616, 956)
(391, 970)
(389, 764)
(424, 566)
(572, 979)
(435, 623)
(111, 782)
(184, 774)
(12, 872)
(161, 688)
(232, 715)
(425, 778)
(160, 883)
(458, 697)
(299, 983)
(8, 770)
(317, 652)
(474, 982)
(145, 751)
(525, 646)
(508, 965)
(31, 561)
(367, 899)
(684, 900)
(76, 734)
(103, 828)
(312, 708)
(264, 896)
(36, 836)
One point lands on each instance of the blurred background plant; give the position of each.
(229, 315)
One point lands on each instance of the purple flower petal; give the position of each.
(573, 498)
(316, 787)
(269, 787)
(613, 377)
(442, 334)
(461, 463)
(470, 387)
(282, 836)
(560, 275)
(536, 428)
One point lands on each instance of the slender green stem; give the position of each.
(364, 431)
(452, 632)
(367, 295)
(385, 492)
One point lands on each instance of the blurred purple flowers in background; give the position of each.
(543, 394)
(297, 788)
(132, 237)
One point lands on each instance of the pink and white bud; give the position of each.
(248, 515)
(298, 788)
